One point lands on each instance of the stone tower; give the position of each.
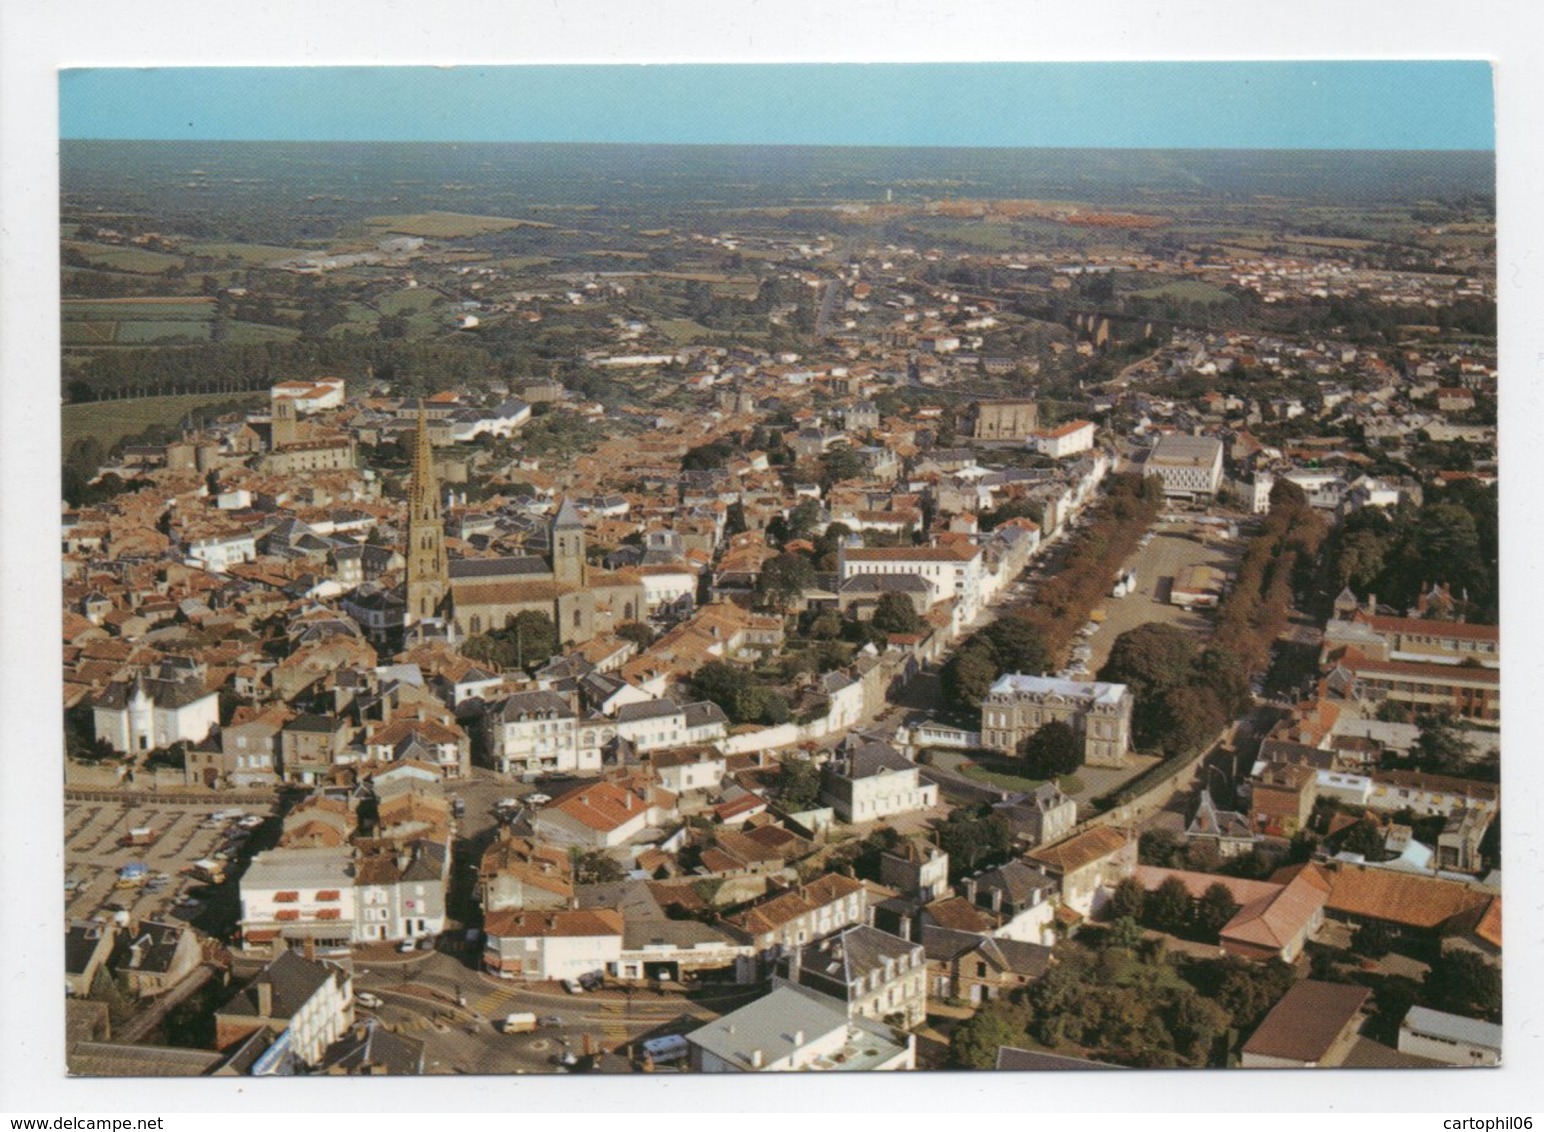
(285, 429)
(567, 539)
(428, 572)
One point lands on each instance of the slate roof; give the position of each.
(522, 564)
(293, 979)
(370, 1047)
(871, 758)
(153, 947)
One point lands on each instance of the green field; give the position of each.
(682, 331)
(1186, 291)
(448, 225)
(136, 260)
(410, 299)
(257, 254)
(140, 331)
(245, 333)
(111, 421)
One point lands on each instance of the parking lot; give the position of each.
(94, 854)
(1173, 548)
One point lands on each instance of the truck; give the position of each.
(519, 1023)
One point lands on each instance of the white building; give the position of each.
(1188, 465)
(1449, 1038)
(221, 551)
(1064, 440)
(951, 570)
(793, 1029)
(532, 733)
(535, 945)
(874, 781)
(298, 895)
(168, 705)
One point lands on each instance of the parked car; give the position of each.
(405, 947)
(549, 1020)
(537, 799)
(572, 986)
(368, 1001)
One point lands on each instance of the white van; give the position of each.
(661, 1051)
(522, 1023)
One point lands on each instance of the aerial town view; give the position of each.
(577, 608)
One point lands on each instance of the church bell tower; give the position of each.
(428, 572)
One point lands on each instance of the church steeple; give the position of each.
(567, 539)
(428, 573)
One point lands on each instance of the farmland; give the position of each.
(111, 421)
(106, 322)
(448, 225)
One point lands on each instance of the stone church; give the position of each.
(478, 595)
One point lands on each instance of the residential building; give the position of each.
(1016, 706)
(873, 781)
(1281, 798)
(792, 1029)
(291, 896)
(601, 816)
(532, 733)
(977, 968)
(875, 974)
(158, 956)
(1064, 440)
(1089, 865)
(309, 1005)
(534, 945)
(951, 569)
(794, 917)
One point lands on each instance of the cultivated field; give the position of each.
(111, 421)
(448, 225)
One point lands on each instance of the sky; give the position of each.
(1264, 105)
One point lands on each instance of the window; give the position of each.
(285, 897)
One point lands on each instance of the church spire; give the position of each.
(428, 573)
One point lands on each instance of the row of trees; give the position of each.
(1169, 908)
(1280, 560)
(1030, 639)
(744, 697)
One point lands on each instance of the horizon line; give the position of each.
(1116, 148)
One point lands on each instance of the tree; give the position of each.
(975, 1041)
(1213, 911)
(894, 613)
(637, 632)
(1167, 907)
(1152, 660)
(595, 867)
(1374, 940)
(1127, 899)
(784, 578)
(734, 520)
(973, 836)
(1124, 932)
(798, 784)
(1364, 838)
(1461, 982)
(1018, 645)
(968, 675)
(1052, 751)
(802, 519)
(842, 463)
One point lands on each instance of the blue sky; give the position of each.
(1293, 105)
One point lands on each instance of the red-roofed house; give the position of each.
(534, 945)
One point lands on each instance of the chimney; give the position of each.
(756, 1059)
(798, 1037)
(264, 998)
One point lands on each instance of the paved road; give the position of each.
(424, 996)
